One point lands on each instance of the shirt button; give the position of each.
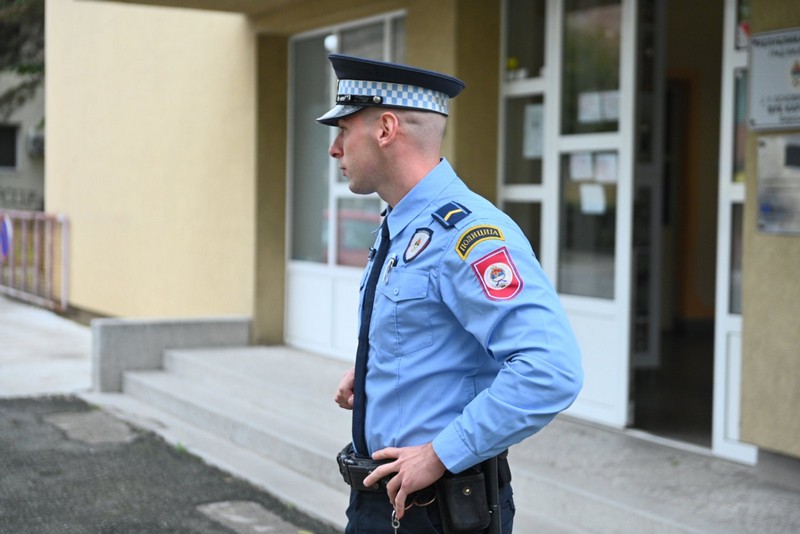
(396, 291)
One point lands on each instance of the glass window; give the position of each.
(647, 80)
(524, 135)
(318, 234)
(309, 153)
(525, 39)
(528, 215)
(739, 124)
(588, 224)
(358, 220)
(8, 146)
(590, 102)
(364, 41)
(399, 40)
(736, 259)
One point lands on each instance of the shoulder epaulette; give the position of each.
(449, 214)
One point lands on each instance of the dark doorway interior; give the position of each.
(675, 399)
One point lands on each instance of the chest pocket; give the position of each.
(401, 321)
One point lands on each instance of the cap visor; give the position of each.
(331, 118)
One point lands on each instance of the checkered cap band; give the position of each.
(397, 94)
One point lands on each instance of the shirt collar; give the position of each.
(420, 197)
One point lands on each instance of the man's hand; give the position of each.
(344, 395)
(416, 467)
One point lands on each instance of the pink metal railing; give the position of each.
(34, 255)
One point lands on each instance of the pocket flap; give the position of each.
(405, 285)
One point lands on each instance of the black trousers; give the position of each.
(371, 513)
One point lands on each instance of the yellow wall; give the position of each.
(151, 153)
(268, 317)
(771, 293)
(478, 63)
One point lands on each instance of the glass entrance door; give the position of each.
(595, 61)
(581, 173)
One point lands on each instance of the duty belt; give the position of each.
(355, 469)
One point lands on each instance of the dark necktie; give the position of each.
(359, 394)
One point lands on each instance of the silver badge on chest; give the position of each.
(417, 244)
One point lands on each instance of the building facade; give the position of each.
(22, 152)
(183, 148)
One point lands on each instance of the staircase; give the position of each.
(265, 414)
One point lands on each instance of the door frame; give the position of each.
(728, 325)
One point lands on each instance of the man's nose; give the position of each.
(335, 151)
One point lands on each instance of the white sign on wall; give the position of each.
(775, 80)
(779, 184)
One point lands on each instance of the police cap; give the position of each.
(367, 82)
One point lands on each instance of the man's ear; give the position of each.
(389, 124)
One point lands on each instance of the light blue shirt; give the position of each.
(469, 346)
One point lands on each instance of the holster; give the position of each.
(355, 469)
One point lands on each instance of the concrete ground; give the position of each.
(67, 467)
(571, 477)
(41, 353)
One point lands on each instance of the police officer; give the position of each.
(465, 349)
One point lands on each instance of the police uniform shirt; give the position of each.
(469, 346)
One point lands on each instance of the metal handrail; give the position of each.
(34, 257)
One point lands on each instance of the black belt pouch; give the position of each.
(462, 502)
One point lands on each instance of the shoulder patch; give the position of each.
(498, 275)
(449, 214)
(475, 235)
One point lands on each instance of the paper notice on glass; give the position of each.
(609, 100)
(593, 199)
(605, 168)
(532, 131)
(589, 107)
(581, 166)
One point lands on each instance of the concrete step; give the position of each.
(282, 438)
(277, 401)
(288, 370)
(270, 379)
(274, 404)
